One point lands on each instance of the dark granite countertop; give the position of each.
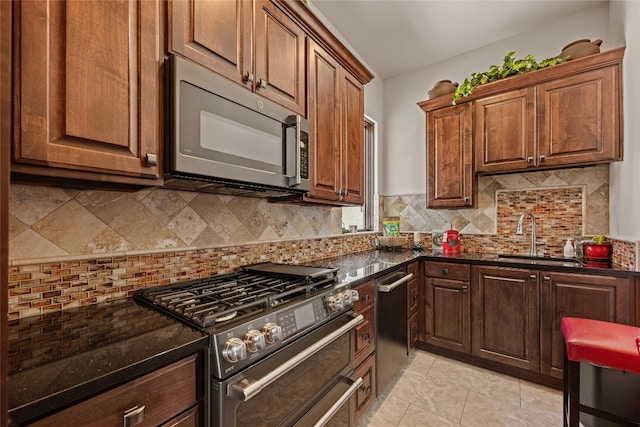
(362, 266)
(60, 358)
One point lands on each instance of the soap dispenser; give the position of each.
(568, 249)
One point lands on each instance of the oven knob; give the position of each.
(272, 332)
(254, 340)
(346, 298)
(234, 349)
(335, 303)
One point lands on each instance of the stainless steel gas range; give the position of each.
(281, 343)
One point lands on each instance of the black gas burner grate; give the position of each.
(216, 299)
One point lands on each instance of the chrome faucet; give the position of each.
(533, 251)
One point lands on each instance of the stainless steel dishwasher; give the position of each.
(391, 347)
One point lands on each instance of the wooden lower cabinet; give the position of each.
(364, 349)
(366, 394)
(413, 303)
(505, 324)
(597, 297)
(508, 319)
(447, 313)
(169, 396)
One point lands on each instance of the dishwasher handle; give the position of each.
(392, 286)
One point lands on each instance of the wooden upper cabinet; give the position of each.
(567, 115)
(336, 116)
(88, 98)
(215, 34)
(220, 36)
(505, 131)
(279, 58)
(324, 119)
(578, 119)
(353, 162)
(450, 180)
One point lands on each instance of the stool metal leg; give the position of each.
(571, 392)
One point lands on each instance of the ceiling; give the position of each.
(399, 36)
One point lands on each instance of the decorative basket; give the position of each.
(392, 241)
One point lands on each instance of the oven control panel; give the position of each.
(242, 345)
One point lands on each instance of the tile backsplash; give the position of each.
(51, 222)
(71, 248)
(537, 190)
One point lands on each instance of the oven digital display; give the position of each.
(304, 316)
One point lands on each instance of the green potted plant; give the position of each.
(510, 67)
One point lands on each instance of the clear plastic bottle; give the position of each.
(568, 249)
(577, 244)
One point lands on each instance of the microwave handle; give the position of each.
(295, 180)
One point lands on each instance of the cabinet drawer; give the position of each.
(164, 393)
(446, 270)
(365, 335)
(367, 391)
(367, 293)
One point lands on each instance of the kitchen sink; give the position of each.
(540, 260)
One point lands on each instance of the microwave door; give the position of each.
(220, 138)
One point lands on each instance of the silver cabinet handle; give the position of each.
(246, 388)
(262, 83)
(465, 288)
(134, 416)
(542, 158)
(248, 77)
(341, 401)
(392, 286)
(530, 159)
(151, 159)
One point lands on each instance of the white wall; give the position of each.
(403, 151)
(624, 199)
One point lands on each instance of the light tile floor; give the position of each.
(437, 391)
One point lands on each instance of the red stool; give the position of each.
(604, 344)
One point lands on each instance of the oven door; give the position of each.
(307, 383)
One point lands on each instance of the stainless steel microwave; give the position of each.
(224, 138)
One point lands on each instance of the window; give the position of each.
(363, 217)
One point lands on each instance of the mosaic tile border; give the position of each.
(40, 288)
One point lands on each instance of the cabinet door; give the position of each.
(366, 394)
(88, 96)
(365, 335)
(352, 159)
(505, 316)
(279, 58)
(609, 299)
(504, 131)
(215, 34)
(447, 314)
(579, 119)
(450, 157)
(324, 117)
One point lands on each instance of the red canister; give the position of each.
(451, 242)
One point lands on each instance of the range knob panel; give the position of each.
(272, 333)
(234, 350)
(254, 340)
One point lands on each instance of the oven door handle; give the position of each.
(392, 286)
(338, 404)
(246, 388)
